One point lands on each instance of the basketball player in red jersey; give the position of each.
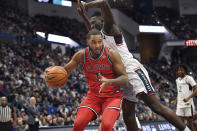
(104, 71)
(140, 85)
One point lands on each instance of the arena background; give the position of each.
(35, 34)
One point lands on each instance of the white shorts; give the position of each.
(187, 111)
(139, 81)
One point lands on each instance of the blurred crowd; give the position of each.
(21, 75)
(184, 27)
(16, 23)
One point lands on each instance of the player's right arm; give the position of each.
(75, 61)
(83, 15)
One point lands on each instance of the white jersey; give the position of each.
(118, 44)
(138, 77)
(184, 91)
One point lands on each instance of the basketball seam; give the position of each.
(55, 73)
(58, 80)
(61, 79)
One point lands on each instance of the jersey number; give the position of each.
(97, 76)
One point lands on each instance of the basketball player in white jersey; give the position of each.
(140, 85)
(186, 90)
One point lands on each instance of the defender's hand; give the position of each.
(104, 81)
(79, 8)
(84, 5)
(185, 99)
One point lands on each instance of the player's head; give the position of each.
(3, 101)
(96, 21)
(181, 70)
(95, 42)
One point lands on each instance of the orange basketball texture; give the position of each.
(56, 76)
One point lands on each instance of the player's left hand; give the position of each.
(84, 5)
(185, 99)
(104, 81)
(79, 8)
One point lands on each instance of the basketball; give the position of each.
(55, 76)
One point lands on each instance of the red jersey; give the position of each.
(92, 67)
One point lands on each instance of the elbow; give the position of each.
(126, 79)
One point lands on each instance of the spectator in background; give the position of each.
(49, 120)
(52, 112)
(44, 123)
(21, 126)
(54, 122)
(1, 89)
(33, 115)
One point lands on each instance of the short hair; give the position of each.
(182, 66)
(31, 98)
(4, 97)
(93, 32)
(96, 13)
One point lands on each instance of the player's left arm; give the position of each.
(119, 70)
(192, 83)
(83, 15)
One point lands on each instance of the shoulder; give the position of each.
(78, 56)
(113, 55)
(80, 52)
(112, 52)
(11, 107)
(188, 78)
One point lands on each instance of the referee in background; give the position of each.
(6, 113)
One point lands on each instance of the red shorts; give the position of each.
(99, 104)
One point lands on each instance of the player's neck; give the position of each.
(95, 56)
(3, 105)
(181, 77)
